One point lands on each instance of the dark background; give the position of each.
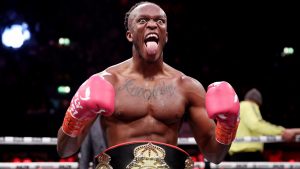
(239, 43)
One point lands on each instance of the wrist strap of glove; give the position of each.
(73, 126)
(225, 134)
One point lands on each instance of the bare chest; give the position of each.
(162, 100)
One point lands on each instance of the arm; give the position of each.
(210, 139)
(255, 122)
(66, 145)
(94, 97)
(296, 131)
(289, 134)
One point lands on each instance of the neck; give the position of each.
(146, 68)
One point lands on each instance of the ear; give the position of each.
(166, 37)
(129, 36)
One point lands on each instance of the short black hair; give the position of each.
(254, 95)
(130, 10)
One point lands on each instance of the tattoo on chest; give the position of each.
(155, 92)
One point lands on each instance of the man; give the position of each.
(142, 102)
(252, 124)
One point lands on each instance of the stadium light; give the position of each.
(15, 35)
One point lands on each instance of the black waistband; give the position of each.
(144, 155)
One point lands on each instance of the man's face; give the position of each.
(147, 26)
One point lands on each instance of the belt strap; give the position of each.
(144, 154)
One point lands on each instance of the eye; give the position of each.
(161, 21)
(142, 21)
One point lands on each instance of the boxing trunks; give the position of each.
(143, 155)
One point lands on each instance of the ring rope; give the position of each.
(263, 139)
(8, 140)
(27, 141)
(253, 165)
(40, 165)
(223, 165)
(260, 165)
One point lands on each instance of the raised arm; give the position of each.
(220, 104)
(95, 96)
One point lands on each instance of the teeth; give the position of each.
(152, 35)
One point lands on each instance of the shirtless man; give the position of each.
(145, 99)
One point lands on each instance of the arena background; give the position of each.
(239, 43)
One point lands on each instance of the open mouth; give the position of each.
(151, 38)
(151, 43)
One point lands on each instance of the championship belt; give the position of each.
(144, 155)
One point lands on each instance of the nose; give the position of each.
(152, 24)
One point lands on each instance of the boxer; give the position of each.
(142, 102)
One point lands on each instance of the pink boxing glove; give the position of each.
(95, 96)
(222, 104)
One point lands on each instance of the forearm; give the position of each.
(214, 151)
(266, 128)
(66, 145)
(296, 131)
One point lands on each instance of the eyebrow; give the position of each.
(156, 16)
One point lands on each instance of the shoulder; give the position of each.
(111, 73)
(247, 103)
(105, 74)
(185, 81)
(191, 87)
(193, 90)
